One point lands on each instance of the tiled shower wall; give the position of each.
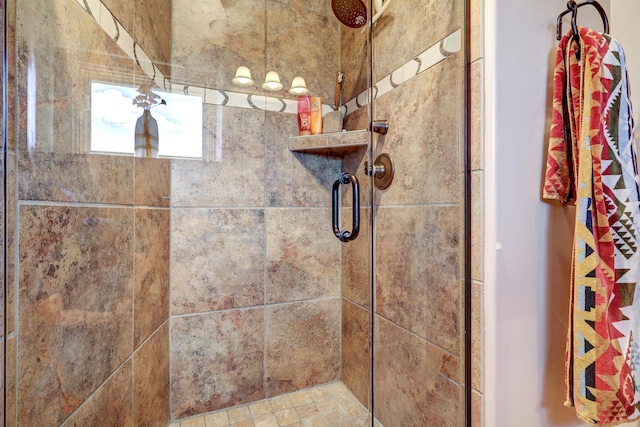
(418, 232)
(255, 291)
(88, 249)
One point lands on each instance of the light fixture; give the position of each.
(272, 81)
(298, 86)
(243, 76)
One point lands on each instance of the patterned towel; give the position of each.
(592, 163)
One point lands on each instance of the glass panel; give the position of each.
(156, 213)
(419, 219)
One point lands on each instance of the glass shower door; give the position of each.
(419, 220)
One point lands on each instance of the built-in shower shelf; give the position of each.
(335, 144)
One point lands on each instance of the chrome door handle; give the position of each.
(344, 235)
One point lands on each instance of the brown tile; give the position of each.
(152, 181)
(76, 303)
(12, 196)
(75, 178)
(295, 179)
(209, 41)
(232, 170)
(477, 412)
(300, 398)
(194, 422)
(319, 47)
(260, 408)
(151, 271)
(280, 403)
(407, 28)
(408, 390)
(216, 360)
(354, 61)
(10, 373)
(303, 256)
(418, 271)
(356, 260)
(111, 405)
(477, 115)
(424, 142)
(67, 62)
(303, 345)
(266, 421)
(287, 416)
(477, 348)
(151, 23)
(477, 230)
(151, 380)
(122, 10)
(477, 30)
(356, 350)
(203, 281)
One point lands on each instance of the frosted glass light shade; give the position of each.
(272, 81)
(298, 86)
(243, 77)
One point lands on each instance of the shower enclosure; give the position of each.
(202, 273)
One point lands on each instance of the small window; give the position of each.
(114, 116)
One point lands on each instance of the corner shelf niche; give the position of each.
(333, 144)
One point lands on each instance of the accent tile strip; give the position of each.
(425, 60)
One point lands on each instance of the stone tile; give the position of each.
(287, 416)
(300, 398)
(239, 414)
(280, 403)
(402, 32)
(66, 62)
(151, 271)
(320, 7)
(408, 389)
(356, 260)
(247, 423)
(418, 271)
(122, 10)
(477, 334)
(203, 281)
(202, 33)
(307, 411)
(477, 29)
(75, 178)
(151, 24)
(477, 225)
(319, 47)
(303, 256)
(266, 421)
(426, 152)
(152, 181)
(216, 360)
(318, 393)
(194, 422)
(295, 179)
(232, 170)
(219, 419)
(76, 303)
(10, 213)
(356, 350)
(151, 380)
(477, 414)
(303, 345)
(111, 405)
(10, 372)
(477, 115)
(260, 408)
(354, 61)
(316, 421)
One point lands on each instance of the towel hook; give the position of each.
(572, 7)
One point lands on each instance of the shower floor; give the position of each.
(322, 406)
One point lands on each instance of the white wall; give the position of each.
(625, 16)
(527, 279)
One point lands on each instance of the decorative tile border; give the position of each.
(427, 59)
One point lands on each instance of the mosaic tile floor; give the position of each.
(330, 405)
